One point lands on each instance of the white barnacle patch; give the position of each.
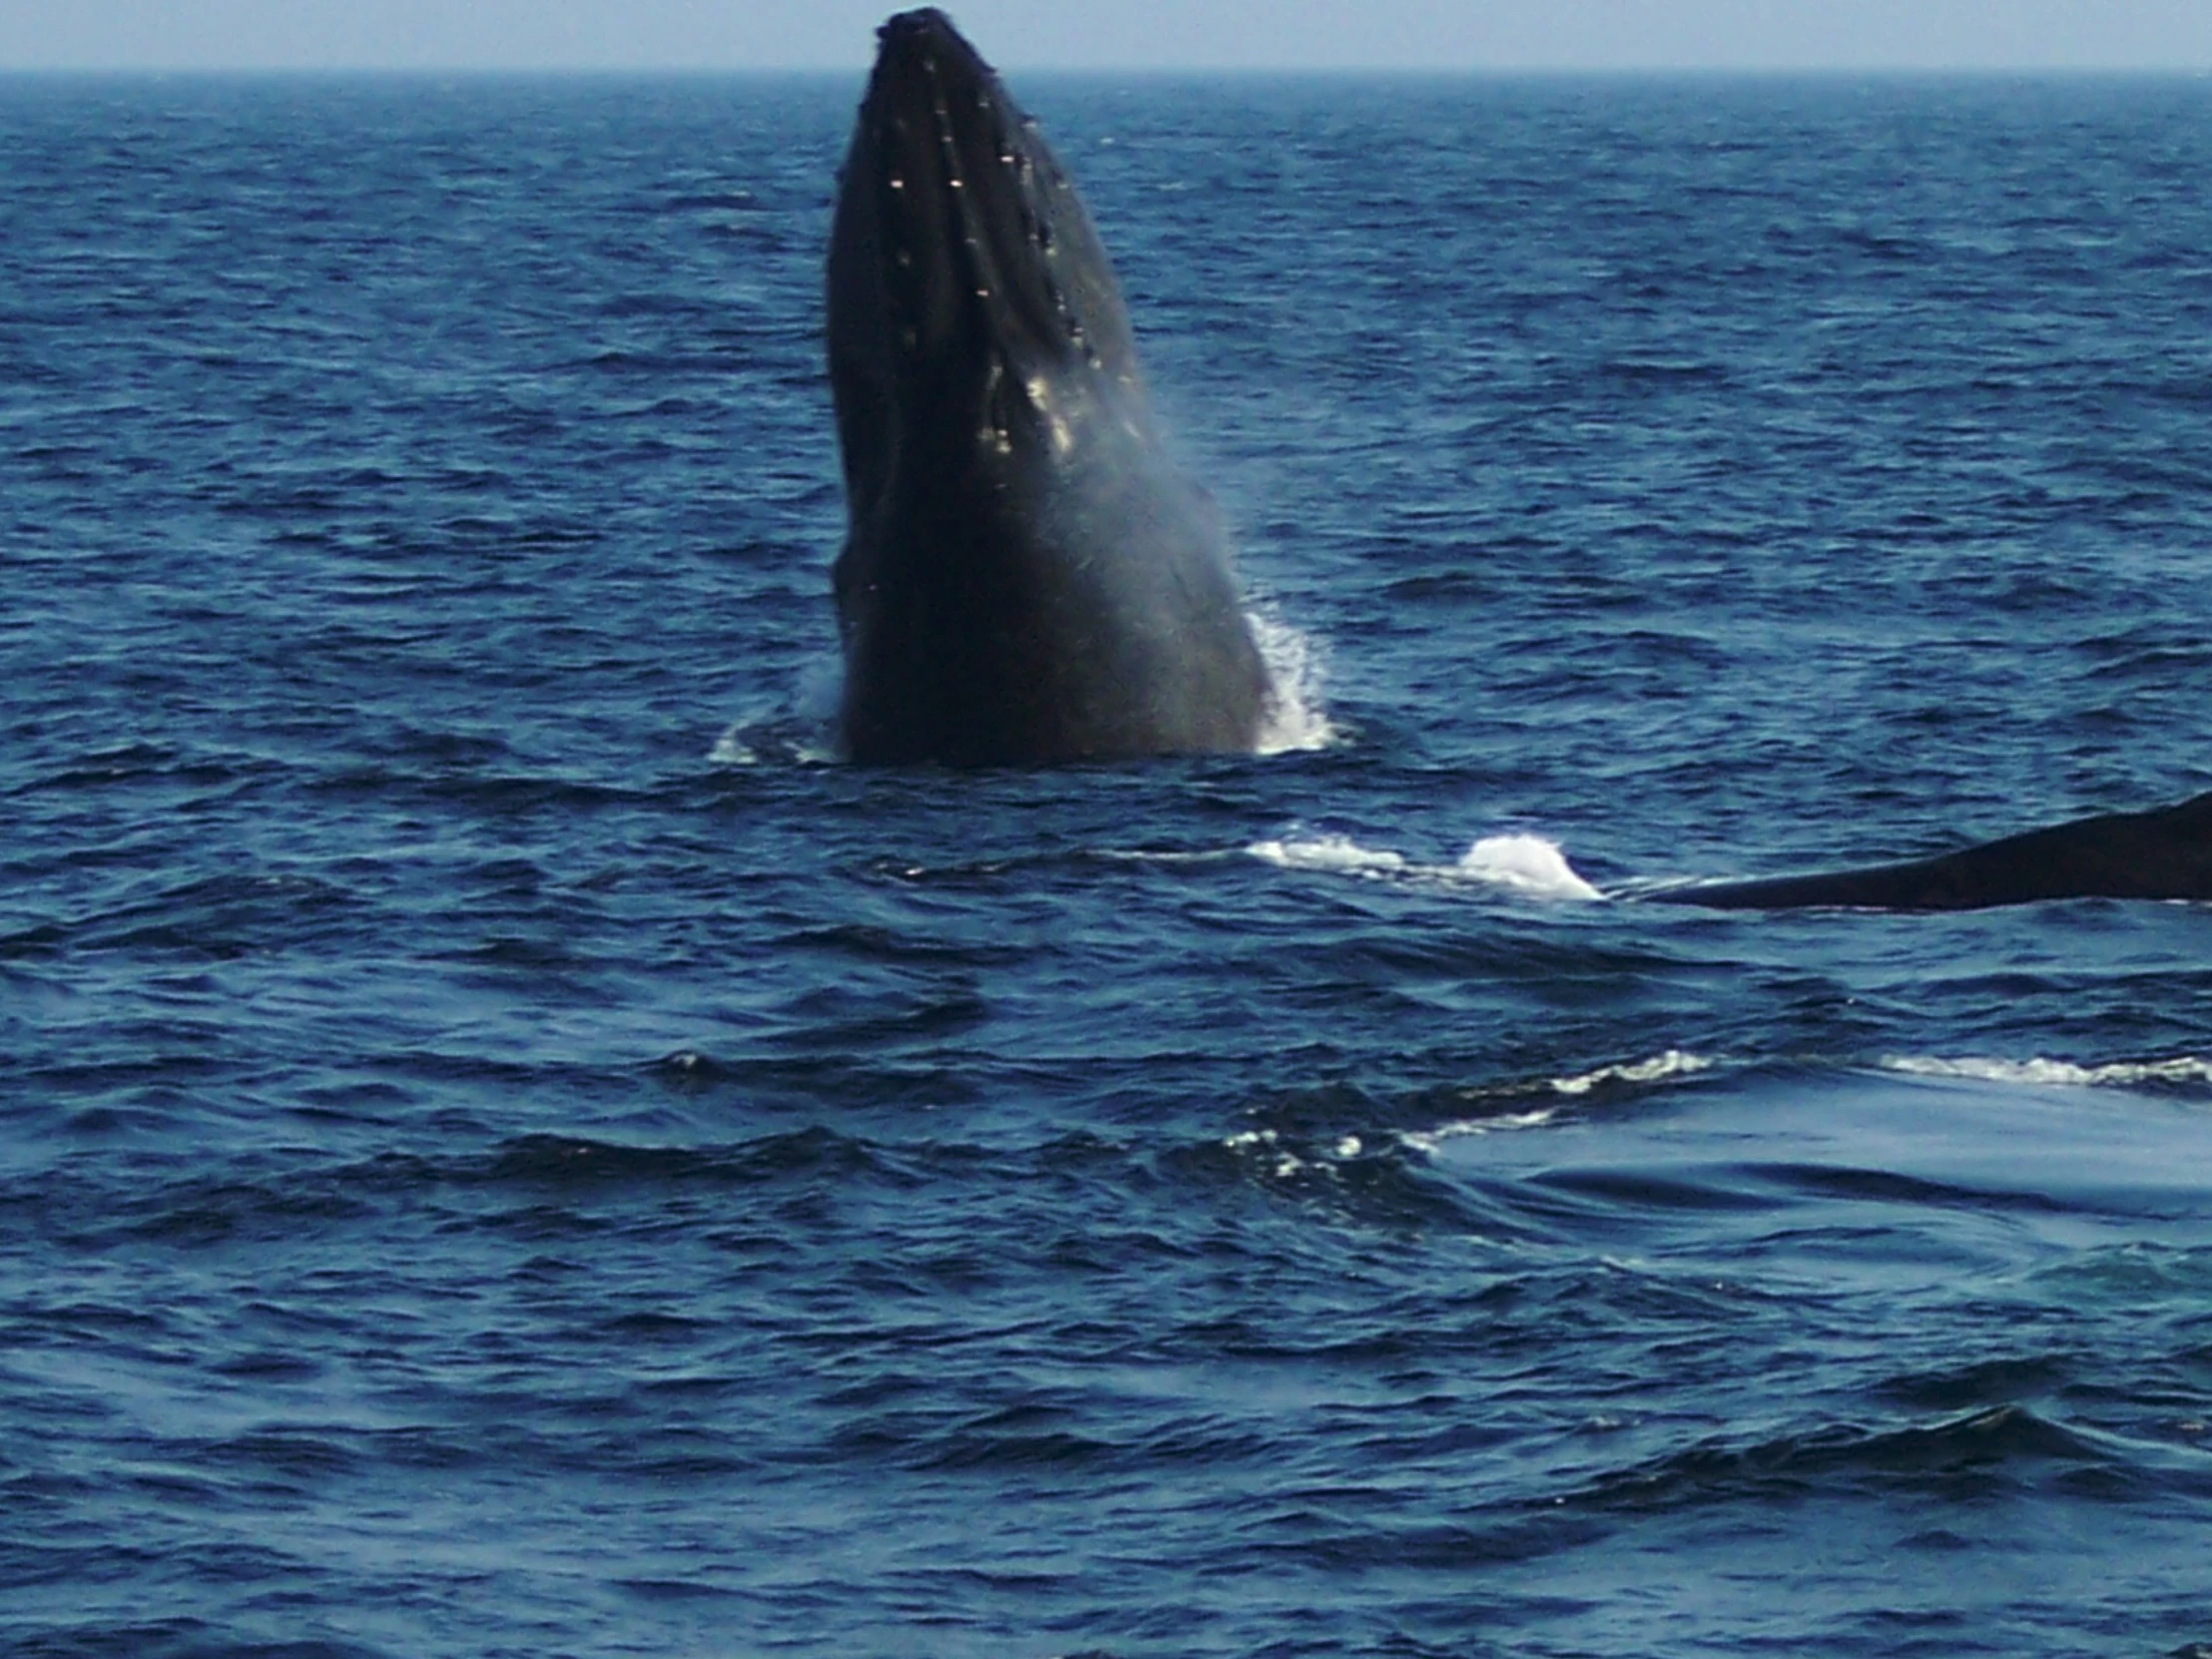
(1056, 426)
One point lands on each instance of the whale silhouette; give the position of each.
(1027, 577)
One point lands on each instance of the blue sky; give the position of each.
(1164, 34)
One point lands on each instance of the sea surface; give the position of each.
(507, 1147)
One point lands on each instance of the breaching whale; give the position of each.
(1027, 577)
(2162, 853)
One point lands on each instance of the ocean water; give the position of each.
(508, 1148)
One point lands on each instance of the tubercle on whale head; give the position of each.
(958, 242)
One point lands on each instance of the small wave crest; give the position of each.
(2184, 1068)
(1674, 1063)
(1671, 1063)
(1429, 1142)
(1288, 1153)
(2009, 1443)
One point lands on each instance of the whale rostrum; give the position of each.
(1027, 577)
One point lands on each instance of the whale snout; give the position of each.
(958, 223)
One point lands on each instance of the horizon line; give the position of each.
(1148, 71)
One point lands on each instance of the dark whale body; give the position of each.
(2163, 854)
(1027, 578)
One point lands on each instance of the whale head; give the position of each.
(1027, 576)
(968, 290)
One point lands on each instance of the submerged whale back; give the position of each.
(2163, 854)
(1027, 576)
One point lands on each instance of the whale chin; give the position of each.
(1027, 577)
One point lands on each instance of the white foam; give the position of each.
(1674, 1063)
(735, 747)
(799, 727)
(1295, 716)
(1526, 863)
(1430, 1140)
(1266, 1142)
(1268, 1147)
(731, 749)
(2185, 1069)
(1337, 854)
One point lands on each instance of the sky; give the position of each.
(1115, 34)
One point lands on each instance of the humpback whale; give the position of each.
(2162, 853)
(1027, 578)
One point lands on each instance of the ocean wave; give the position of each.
(1670, 1063)
(1430, 1140)
(2040, 1071)
(1286, 1154)
(1674, 1063)
(1979, 1452)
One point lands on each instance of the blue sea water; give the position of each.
(507, 1148)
